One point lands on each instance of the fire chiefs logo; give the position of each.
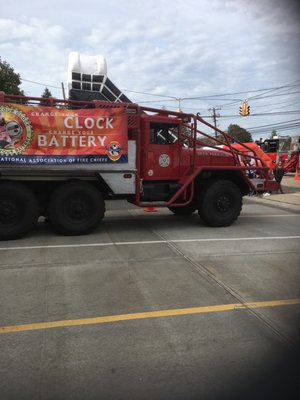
(114, 150)
(164, 160)
(16, 132)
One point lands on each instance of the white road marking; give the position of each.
(268, 215)
(145, 242)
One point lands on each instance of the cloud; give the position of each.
(180, 49)
(34, 48)
(182, 46)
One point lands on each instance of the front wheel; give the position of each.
(220, 203)
(76, 208)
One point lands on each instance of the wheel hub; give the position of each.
(78, 209)
(8, 211)
(223, 204)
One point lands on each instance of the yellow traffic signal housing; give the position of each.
(244, 109)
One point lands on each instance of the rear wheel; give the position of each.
(76, 208)
(220, 203)
(19, 210)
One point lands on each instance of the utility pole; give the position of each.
(214, 117)
(63, 90)
(179, 103)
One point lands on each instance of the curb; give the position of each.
(273, 203)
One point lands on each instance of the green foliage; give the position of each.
(9, 79)
(46, 94)
(239, 133)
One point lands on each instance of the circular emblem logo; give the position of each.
(164, 160)
(114, 150)
(16, 132)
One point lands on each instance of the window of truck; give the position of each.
(163, 133)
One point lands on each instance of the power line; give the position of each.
(233, 93)
(263, 114)
(210, 97)
(255, 130)
(248, 91)
(289, 123)
(277, 95)
(282, 126)
(272, 90)
(270, 105)
(151, 94)
(41, 84)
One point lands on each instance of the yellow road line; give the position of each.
(146, 315)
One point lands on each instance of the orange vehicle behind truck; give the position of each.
(283, 148)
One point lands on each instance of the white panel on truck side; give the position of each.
(120, 182)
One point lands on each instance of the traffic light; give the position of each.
(244, 109)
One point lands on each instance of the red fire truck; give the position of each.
(63, 160)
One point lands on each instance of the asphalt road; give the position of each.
(153, 306)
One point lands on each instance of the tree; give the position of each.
(9, 79)
(239, 133)
(46, 94)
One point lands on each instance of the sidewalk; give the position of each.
(290, 197)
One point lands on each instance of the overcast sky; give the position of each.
(176, 48)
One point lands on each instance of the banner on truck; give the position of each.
(48, 135)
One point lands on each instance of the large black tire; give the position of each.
(220, 203)
(19, 210)
(76, 208)
(185, 210)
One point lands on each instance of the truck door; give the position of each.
(161, 150)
